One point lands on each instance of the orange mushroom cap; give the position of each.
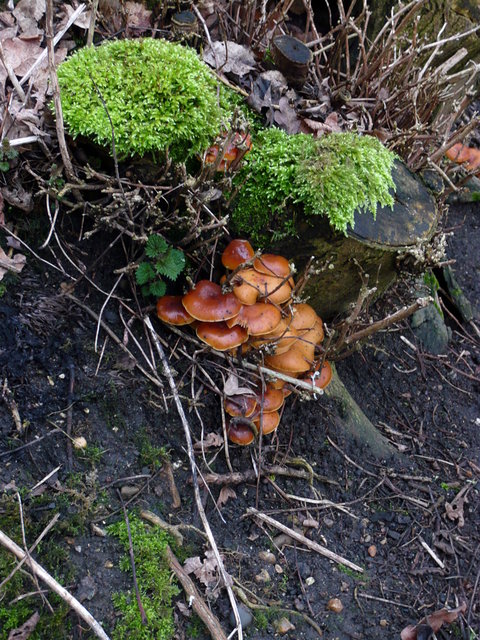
(272, 400)
(207, 303)
(236, 253)
(240, 405)
(320, 378)
(239, 433)
(304, 316)
(272, 265)
(292, 361)
(231, 152)
(268, 422)
(171, 311)
(308, 340)
(258, 319)
(254, 285)
(221, 337)
(281, 338)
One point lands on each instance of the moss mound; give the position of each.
(285, 175)
(157, 96)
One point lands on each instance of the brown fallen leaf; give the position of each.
(26, 630)
(230, 58)
(434, 621)
(225, 494)
(454, 509)
(15, 264)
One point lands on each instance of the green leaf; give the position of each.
(155, 246)
(172, 264)
(144, 273)
(158, 288)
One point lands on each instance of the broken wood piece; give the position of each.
(311, 544)
(197, 602)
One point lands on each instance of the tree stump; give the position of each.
(373, 246)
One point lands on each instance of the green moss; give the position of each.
(285, 176)
(159, 96)
(154, 581)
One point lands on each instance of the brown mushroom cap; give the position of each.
(220, 336)
(272, 400)
(255, 285)
(239, 433)
(258, 319)
(281, 338)
(308, 340)
(272, 265)
(268, 422)
(320, 378)
(207, 303)
(240, 405)
(171, 311)
(304, 316)
(236, 253)
(292, 361)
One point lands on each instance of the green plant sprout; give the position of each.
(7, 154)
(156, 95)
(287, 175)
(164, 261)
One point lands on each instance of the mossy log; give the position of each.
(373, 246)
(355, 424)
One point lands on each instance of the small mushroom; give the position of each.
(290, 362)
(240, 406)
(272, 265)
(258, 319)
(239, 432)
(281, 339)
(268, 422)
(254, 285)
(240, 145)
(236, 253)
(320, 378)
(207, 303)
(220, 336)
(271, 400)
(171, 311)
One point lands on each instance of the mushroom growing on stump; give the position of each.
(272, 265)
(220, 336)
(207, 303)
(236, 253)
(239, 432)
(266, 422)
(253, 285)
(320, 377)
(240, 405)
(171, 311)
(258, 319)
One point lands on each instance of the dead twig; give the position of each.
(311, 544)
(55, 586)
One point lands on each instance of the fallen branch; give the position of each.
(55, 586)
(311, 544)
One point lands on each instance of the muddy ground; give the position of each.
(412, 524)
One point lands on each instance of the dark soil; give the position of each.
(378, 515)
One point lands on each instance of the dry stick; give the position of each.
(132, 561)
(56, 93)
(311, 544)
(69, 416)
(91, 26)
(191, 456)
(55, 586)
(198, 604)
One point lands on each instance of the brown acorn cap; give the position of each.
(171, 311)
(240, 405)
(239, 433)
(258, 319)
(272, 265)
(207, 303)
(236, 253)
(221, 337)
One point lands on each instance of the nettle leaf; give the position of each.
(157, 288)
(172, 264)
(156, 246)
(144, 273)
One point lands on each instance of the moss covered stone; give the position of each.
(290, 175)
(158, 96)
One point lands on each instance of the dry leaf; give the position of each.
(192, 564)
(234, 58)
(286, 116)
(26, 630)
(232, 388)
(137, 17)
(225, 494)
(28, 14)
(454, 509)
(210, 441)
(82, 21)
(433, 621)
(15, 264)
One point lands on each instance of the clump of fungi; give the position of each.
(258, 314)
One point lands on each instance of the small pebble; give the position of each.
(79, 443)
(262, 577)
(335, 605)
(278, 569)
(267, 556)
(128, 491)
(283, 626)
(372, 550)
(108, 564)
(383, 623)
(309, 581)
(245, 614)
(328, 522)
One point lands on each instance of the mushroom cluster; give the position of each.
(259, 313)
